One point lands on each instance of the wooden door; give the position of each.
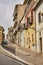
(40, 44)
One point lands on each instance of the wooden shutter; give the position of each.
(32, 16)
(28, 21)
(39, 17)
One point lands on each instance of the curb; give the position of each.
(16, 57)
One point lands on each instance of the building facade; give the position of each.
(19, 10)
(39, 25)
(30, 41)
(28, 25)
(10, 34)
(1, 34)
(24, 16)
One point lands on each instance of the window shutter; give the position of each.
(28, 21)
(42, 17)
(39, 17)
(32, 16)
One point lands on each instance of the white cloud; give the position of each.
(1, 5)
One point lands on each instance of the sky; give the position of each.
(6, 12)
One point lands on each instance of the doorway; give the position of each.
(40, 44)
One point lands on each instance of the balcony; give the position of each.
(15, 24)
(23, 27)
(15, 31)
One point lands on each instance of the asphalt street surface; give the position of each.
(4, 60)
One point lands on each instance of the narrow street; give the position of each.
(10, 58)
(25, 54)
(4, 60)
(21, 32)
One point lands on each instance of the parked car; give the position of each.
(5, 42)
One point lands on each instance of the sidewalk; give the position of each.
(27, 55)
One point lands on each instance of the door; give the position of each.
(28, 42)
(40, 44)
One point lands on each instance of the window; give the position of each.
(39, 33)
(28, 40)
(40, 17)
(28, 21)
(24, 25)
(32, 16)
(16, 14)
(19, 28)
(40, 40)
(32, 38)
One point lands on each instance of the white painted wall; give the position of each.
(39, 27)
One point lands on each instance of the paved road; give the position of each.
(4, 60)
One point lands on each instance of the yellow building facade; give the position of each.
(30, 41)
(30, 34)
